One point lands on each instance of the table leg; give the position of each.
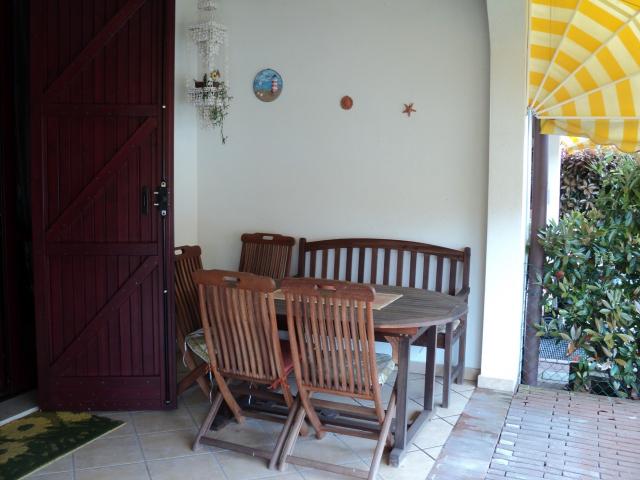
(400, 444)
(430, 369)
(403, 432)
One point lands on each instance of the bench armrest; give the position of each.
(463, 294)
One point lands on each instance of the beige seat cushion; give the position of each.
(442, 328)
(385, 366)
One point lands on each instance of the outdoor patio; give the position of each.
(391, 240)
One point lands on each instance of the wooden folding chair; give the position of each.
(241, 335)
(332, 338)
(188, 260)
(267, 254)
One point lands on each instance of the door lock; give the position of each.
(161, 198)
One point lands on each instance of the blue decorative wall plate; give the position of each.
(267, 85)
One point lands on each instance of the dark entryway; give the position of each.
(17, 330)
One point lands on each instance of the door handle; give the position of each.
(144, 201)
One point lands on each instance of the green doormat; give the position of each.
(38, 439)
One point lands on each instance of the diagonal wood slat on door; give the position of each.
(93, 47)
(101, 177)
(91, 328)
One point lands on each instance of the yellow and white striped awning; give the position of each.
(584, 69)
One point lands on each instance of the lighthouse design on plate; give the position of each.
(267, 85)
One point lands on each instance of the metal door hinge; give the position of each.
(161, 196)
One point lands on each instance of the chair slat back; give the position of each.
(386, 262)
(266, 254)
(332, 337)
(187, 259)
(239, 322)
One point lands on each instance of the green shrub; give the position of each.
(581, 177)
(591, 280)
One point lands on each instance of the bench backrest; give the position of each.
(386, 262)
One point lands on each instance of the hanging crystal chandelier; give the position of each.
(210, 94)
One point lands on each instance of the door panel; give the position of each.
(101, 88)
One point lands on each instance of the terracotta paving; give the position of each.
(555, 434)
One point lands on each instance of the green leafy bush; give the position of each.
(582, 175)
(591, 281)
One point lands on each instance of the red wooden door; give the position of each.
(102, 126)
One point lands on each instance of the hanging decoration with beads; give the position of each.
(210, 93)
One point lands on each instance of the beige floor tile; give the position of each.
(415, 466)
(467, 385)
(250, 434)
(109, 451)
(433, 434)
(126, 429)
(364, 447)
(329, 449)
(198, 467)
(457, 402)
(238, 466)
(314, 474)
(149, 422)
(452, 419)
(271, 428)
(63, 464)
(199, 412)
(466, 393)
(433, 452)
(176, 443)
(287, 476)
(52, 476)
(135, 471)
(194, 396)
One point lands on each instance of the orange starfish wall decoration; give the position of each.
(408, 109)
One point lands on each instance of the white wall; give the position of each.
(185, 188)
(304, 167)
(507, 197)
(553, 182)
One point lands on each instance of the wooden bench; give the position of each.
(398, 263)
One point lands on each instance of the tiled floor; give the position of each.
(18, 406)
(157, 445)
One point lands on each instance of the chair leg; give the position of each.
(446, 374)
(311, 412)
(288, 399)
(294, 431)
(293, 409)
(223, 388)
(206, 425)
(382, 440)
(462, 346)
(195, 375)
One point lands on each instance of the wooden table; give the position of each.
(418, 312)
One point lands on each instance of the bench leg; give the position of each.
(446, 374)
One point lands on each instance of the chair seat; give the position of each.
(197, 344)
(442, 328)
(385, 365)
